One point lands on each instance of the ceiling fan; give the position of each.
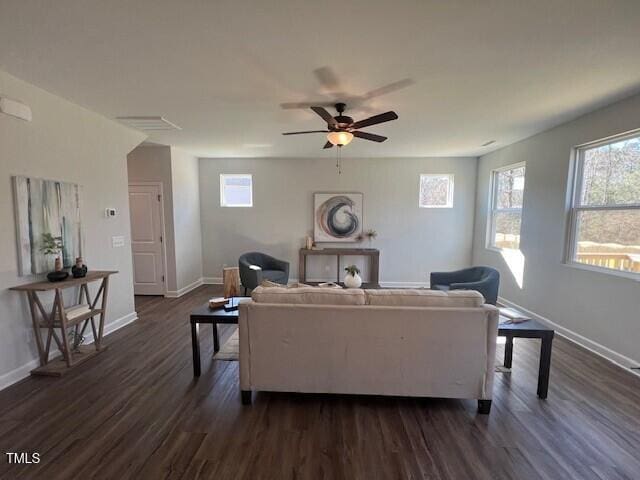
(341, 129)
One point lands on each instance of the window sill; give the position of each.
(500, 250)
(602, 270)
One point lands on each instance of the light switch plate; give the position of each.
(117, 242)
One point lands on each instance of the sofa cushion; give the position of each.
(424, 298)
(309, 296)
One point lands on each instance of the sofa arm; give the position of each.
(493, 318)
(244, 352)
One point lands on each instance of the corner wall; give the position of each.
(153, 164)
(63, 142)
(185, 178)
(598, 310)
(178, 173)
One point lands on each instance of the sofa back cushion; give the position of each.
(309, 296)
(424, 298)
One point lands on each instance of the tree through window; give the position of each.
(605, 218)
(507, 189)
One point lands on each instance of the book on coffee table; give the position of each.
(217, 302)
(511, 315)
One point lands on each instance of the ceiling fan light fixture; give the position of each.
(340, 138)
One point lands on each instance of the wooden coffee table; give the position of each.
(204, 314)
(530, 329)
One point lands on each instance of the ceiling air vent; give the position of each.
(148, 124)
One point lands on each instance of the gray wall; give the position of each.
(413, 241)
(599, 310)
(186, 219)
(68, 143)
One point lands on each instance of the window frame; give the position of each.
(224, 176)
(450, 189)
(575, 206)
(493, 210)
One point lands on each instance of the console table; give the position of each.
(58, 318)
(372, 253)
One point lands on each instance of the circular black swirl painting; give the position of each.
(338, 217)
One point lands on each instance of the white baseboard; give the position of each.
(600, 350)
(184, 290)
(111, 327)
(23, 371)
(19, 373)
(212, 280)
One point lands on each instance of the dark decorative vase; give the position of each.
(57, 276)
(79, 272)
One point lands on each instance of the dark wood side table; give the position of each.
(372, 253)
(204, 314)
(530, 329)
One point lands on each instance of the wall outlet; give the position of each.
(117, 242)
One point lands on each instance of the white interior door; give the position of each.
(145, 203)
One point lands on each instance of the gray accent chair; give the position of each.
(270, 269)
(485, 280)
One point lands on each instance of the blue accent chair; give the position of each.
(270, 269)
(485, 280)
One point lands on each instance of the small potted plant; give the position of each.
(352, 278)
(371, 235)
(53, 246)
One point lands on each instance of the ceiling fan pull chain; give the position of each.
(339, 160)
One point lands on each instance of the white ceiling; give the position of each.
(483, 70)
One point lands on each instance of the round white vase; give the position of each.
(352, 281)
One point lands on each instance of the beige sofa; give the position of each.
(421, 343)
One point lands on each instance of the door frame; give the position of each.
(162, 227)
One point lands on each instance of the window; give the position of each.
(605, 213)
(236, 190)
(436, 191)
(507, 188)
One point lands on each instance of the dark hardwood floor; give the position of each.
(136, 412)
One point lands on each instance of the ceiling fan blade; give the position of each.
(328, 145)
(326, 116)
(376, 119)
(327, 78)
(306, 131)
(297, 105)
(392, 87)
(369, 136)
